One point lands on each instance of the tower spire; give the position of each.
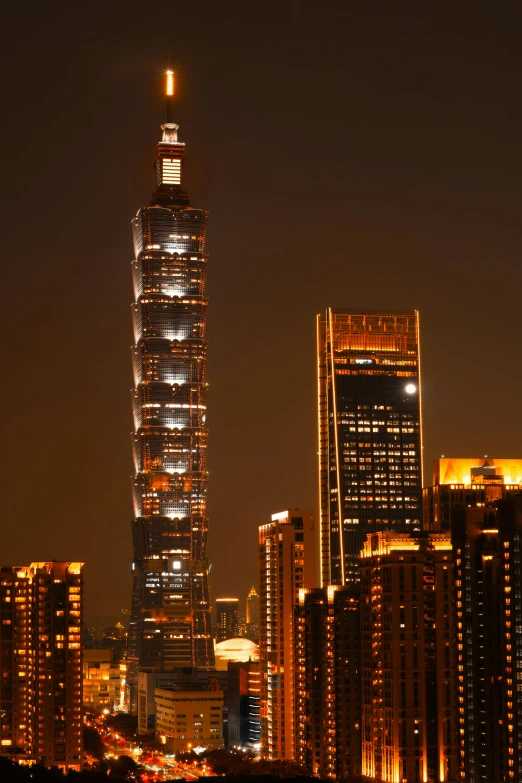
(169, 92)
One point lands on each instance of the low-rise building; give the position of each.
(189, 719)
(103, 680)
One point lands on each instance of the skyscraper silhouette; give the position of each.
(170, 616)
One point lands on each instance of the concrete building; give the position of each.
(287, 553)
(327, 683)
(244, 702)
(188, 678)
(408, 659)
(188, 719)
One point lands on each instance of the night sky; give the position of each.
(351, 154)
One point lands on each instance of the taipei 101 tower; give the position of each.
(170, 623)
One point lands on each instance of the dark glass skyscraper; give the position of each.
(369, 417)
(170, 616)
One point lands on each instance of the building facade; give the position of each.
(459, 483)
(487, 545)
(369, 419)
(41, 646)
(170, 622)
(227, 618)
(188, 719)
(252, 615)
(103, 680)
(286, 566)
(408, 659)
(244, 705)
(327, 683)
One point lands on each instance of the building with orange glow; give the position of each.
(369, 418)
(41, 647)
(227, 618)
(286, 566)
(327, 683)
(408, 659)
(252, 615)
(189, 717)
(243, 705)
(459, 483)
(487, 544)
(170, 622)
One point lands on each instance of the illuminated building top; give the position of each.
(477, 470)
(459, 483)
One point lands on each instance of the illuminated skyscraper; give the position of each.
(327, 682)
(41, 622)
(369, 410)
(487, 547)
(170, 617)
(408, 659)
(286, 566)
(252, 615)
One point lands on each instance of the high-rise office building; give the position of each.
(227, 618)
(41, 622)
(286, 566)
(252, 615)
(408, 659)
(170, 616)
(459, 483)
(327, 682)
(252, 607)
(369, 417)
(487, 546)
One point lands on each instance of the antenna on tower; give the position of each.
(169, 91)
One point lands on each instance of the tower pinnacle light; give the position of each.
(169, 83)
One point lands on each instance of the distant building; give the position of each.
(327, 683)
(408, 661)
(252, 615)
(243, 701)
(459, 483)
(227, 618)
(238, 649)
(103, 680)
(187, 719)
(41, 646)
(188, 678)
(487, 544)
(370, 472)
(286, 566)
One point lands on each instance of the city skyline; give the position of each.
(414, 203)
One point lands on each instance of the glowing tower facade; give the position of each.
(369, 417)
(170, 616)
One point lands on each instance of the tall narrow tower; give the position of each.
(170, 616)
(370, 452)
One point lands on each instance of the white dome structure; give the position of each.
(236, 649)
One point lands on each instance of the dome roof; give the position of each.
(237, 649)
